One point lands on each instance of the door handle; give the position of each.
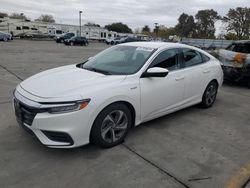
(179, 78)
(206, 71)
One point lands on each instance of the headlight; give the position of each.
(68, 107)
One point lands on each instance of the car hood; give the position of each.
(67, 81)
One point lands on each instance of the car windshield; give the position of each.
(119, 60)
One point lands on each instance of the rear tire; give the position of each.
(111, 125)
(71, 43)
(209, 95)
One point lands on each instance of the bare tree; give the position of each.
(46, 18)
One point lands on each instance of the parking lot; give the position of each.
(194, 147)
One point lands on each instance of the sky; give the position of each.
(134, 13)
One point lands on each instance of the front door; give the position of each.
(159, 95)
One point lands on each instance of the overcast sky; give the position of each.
(133, 13)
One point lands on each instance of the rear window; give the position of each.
(191, 57)
(205, 58)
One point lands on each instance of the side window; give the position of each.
(205, 58)
(191, 57)
(167, 59)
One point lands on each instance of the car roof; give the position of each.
(155, 44)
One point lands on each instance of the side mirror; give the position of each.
(155, 72)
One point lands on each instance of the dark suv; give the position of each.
(63, 37)
(76, 41)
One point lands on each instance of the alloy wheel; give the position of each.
(114, 126)
(211, 94)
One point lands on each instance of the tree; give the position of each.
(238, 22)
(3, 14)
(119, 27)
(46, 18)
(18, 16)
(231, 36)
(205, 23)
(92, 24)
(146, 29)
(165, 32)
(186, 26)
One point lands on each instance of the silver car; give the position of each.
(5, 36)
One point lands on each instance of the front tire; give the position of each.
(111, 125)
(209, 95)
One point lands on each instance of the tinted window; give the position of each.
(167, 59)
(191, 57)
(205, 58)
(26, 27)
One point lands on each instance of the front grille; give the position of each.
(24, 113)
(59, 137)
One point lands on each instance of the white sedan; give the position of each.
(99, 100)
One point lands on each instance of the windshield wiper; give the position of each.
(97, 70)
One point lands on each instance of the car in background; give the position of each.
(77, 40)
(5, 36)
(236, 61)
(32, 34)
(108, 40)
(63, 37)
(114, 41)
(99, 100)
(129, 39)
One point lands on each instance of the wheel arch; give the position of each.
(125, 102)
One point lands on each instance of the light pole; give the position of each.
(22, 20)
(80, 22)
(156, 30)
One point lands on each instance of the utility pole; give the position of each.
(22, 21)
(80, 22)
(156, 30)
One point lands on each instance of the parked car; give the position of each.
(32, 34)
(114, 41)
(129, 39)
(100, 99)
(108, 40)
(236, 61)
(5, 36)
(76, 41)
(61, 38)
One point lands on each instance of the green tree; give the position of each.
(3, 14)
(146, 29)
(46, 18)
(206, 23)
(166, 32)
(238, 22)
(119, 27)
(186, 26)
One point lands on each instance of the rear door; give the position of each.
(197, 73)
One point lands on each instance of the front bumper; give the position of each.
(64, 130)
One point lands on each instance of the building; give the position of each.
(17, 26)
